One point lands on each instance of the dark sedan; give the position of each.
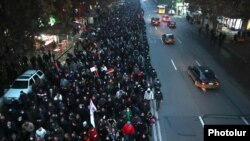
(203, 77)
(155, 21)
(172, 24)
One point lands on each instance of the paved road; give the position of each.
(185, 108)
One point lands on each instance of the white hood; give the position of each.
(14, 93)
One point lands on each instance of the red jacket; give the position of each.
(128, 129)
(93, 134)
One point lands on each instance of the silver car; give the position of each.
(23, 83)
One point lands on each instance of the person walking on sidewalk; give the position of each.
(199, 30)
(221, 39)
(207, 28)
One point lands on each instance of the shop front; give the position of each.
(46, 42)
(231, 23)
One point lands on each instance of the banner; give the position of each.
(92, 109)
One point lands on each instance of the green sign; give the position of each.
(52, 21)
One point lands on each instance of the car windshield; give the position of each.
(20, 84)
(171, 36)
(209, 75)
(172, 22)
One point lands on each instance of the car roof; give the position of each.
(27, 74)
(30, 72)
(204, 69)
(168, 34)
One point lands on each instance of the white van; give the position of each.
(23, 83)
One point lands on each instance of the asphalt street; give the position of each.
(186, 109)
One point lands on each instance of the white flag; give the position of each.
(92, 109)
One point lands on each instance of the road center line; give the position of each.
(155, 28)
(173, 64)
(244, 119)
(197, 63)
(201, 120)
(179, 41)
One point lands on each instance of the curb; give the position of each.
(60, 56)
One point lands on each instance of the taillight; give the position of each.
(203, 83)
(217, 83)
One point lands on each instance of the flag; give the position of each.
(109, 71)
(94, 69)
(92, 109)
(128, 114)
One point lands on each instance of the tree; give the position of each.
(215, 8)
(17, 19)
(63, 10)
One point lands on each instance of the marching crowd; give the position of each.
(110, 69)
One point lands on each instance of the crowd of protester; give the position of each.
(111, 67)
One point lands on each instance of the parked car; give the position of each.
(171, 12)
(172, 24)
(23, 83)
(203, 77)
(165, 18)
(168, 38)
(155, 21)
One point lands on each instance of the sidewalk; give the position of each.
(240, 50)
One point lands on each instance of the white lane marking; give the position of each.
(173, 64)
(159, 127)
(197, 63)
(201, 120)
(155, 28)
(179, 40)
(244, 119)
(154, 126)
